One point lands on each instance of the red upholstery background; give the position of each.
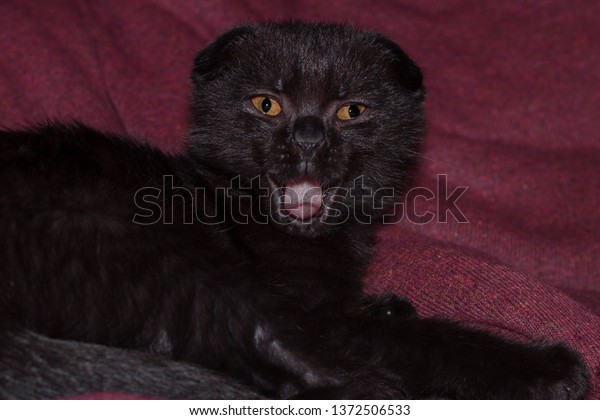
(513, 107)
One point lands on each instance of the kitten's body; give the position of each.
(273, 302)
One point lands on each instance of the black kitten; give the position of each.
(245, 254)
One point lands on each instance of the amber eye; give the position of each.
(351, 111)
(266, 105)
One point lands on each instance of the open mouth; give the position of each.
(302, 201)
(302, 198)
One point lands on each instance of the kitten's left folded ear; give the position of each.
(409, 74)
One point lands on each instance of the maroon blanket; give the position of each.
(513, 107)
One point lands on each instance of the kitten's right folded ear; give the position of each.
(210, 61)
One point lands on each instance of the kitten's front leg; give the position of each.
(440, 359)
(408, 357)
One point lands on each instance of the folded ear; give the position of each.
(408, 73)
(210, 61)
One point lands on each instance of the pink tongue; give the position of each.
(302, 198)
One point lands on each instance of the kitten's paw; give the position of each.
(387, 307)
(556, 373)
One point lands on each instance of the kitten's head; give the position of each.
(327, 116)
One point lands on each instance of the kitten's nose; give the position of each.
(308, 134)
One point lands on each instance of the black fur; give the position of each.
(274, 303)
